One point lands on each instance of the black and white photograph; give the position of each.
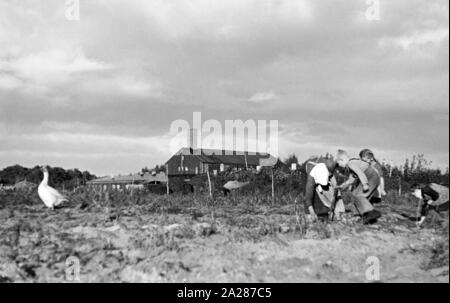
(224, 146)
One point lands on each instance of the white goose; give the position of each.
(50, 196)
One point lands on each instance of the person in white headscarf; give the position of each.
(322, 200)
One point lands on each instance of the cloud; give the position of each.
(51, 67)
(220, 19)
(417, 39)
(263, 97)
(327, 74)
(8, 82)
(141, 88)
(72, 143)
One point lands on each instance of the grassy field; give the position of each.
(119, 237)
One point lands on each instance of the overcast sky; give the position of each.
(99, 94)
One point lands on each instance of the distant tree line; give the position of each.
(157, 169)
(417, 170)
(59, 177)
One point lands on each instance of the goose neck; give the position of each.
(45, 180)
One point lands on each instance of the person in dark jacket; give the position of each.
(431, 196)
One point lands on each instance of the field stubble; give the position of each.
(120, 237)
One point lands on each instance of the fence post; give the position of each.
(273, 187)
(209, 180)
(167, 183)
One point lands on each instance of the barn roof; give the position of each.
(217, 156)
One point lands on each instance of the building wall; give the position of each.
(188, 165)
(185, 165)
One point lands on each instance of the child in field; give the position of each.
(368, 156)
(431, 197)
(364, 180)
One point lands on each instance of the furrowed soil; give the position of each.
(191, 239)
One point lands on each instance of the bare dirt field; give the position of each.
(150, 238)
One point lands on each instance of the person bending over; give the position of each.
(364, 180)
(368, 156)
(322, 199)
(431, 196)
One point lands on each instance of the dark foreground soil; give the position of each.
(146, 240)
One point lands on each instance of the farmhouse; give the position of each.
(190, 161)
(132, 181)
